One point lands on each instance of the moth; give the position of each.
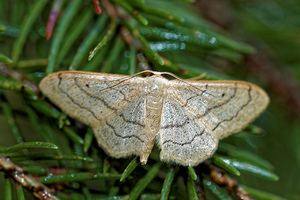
(129, 114)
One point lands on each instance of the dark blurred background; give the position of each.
(272, 27)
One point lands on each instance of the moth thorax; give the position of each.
(155, 90)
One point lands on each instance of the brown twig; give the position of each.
(127, 37)
(220, 177)
(5, 71)
(109, 8)
(38, 189)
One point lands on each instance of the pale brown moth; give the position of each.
(130, 113)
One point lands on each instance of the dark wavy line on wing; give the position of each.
(106, 104)
(204, 114)
(121, 136)
(184, 143)
(131, 121)
(219, 105)
(191, 97)
(92, 96)
(71, 98)
(186, 121)
(236, 114)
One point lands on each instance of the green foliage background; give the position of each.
(211, 40)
